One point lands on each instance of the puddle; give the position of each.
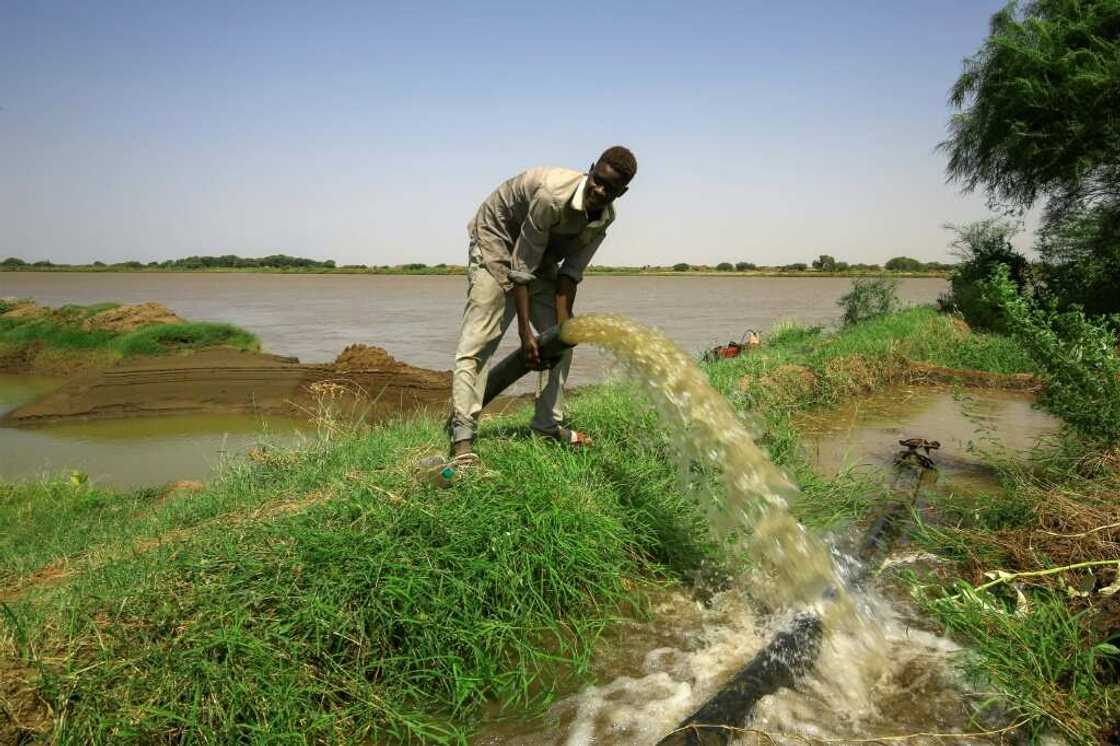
(864, 434)
(129, 452)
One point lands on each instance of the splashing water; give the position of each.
(753, 512)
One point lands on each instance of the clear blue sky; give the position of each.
(369, 132)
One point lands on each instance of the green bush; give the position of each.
(725, 267)
(981, 247)
(869, 298)
(681, 267)
(745, 266)
(1075, 355)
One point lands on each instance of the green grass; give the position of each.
(381, 608)
(63, 331)
(324, 594)
(153, 340)
(1047, 667)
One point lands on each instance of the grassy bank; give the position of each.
(35, 338)
(324, 593)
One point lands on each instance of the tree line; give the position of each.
(227, 261)
(824, 263)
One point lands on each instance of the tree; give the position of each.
(681, 267)
(13, 261)
(795, 267)
(745, 266)
(1038, 121)
(903, 264)
(725, 267)
(825, 263)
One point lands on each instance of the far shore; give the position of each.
(452, 270)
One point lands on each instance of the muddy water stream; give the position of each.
(887, 676)
(133, 452)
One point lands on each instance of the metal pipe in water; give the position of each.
(792, 653)
(514, 365)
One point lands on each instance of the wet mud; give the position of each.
(366, 380)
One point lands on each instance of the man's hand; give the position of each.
(530, 348)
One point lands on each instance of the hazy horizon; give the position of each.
(369, 134)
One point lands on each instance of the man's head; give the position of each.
(608, 178)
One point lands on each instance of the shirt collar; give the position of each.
(577, 198)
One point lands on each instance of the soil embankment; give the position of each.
(363, 379)
(143, 359)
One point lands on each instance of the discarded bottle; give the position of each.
(435, 471)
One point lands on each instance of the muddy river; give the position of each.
(416, 319)
(314, 317)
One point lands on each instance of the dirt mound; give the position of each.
(370, 360)
(367, 357)
(222, 380)
(26, 310)
(130, 318)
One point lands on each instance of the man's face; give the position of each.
(604, 185)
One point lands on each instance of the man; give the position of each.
(530, 242)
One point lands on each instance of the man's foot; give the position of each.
(565, 436)
(463, 455)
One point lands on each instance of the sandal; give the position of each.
(464, 461)
(463, 455)
(565, 436)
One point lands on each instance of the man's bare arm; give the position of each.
(565, 298)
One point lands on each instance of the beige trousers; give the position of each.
(488, 313)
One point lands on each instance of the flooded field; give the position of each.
(864, 433)
(131, 452)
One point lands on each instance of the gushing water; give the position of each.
(753, 511)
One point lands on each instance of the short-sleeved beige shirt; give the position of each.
(534, 225)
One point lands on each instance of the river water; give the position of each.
(415, 318)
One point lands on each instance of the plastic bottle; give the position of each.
(435, 471)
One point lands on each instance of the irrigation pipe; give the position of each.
(790, 655)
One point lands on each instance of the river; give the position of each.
(415, 318)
